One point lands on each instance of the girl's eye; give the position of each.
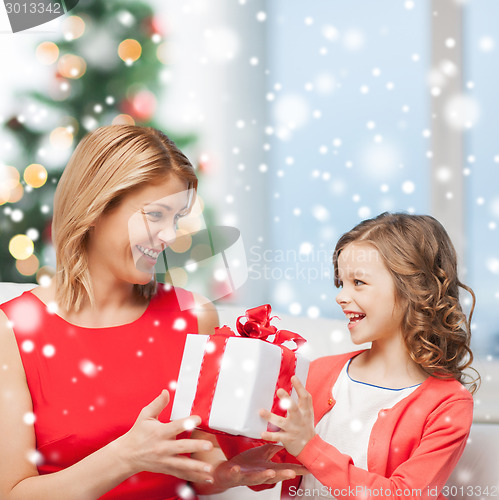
(358, 282)
(340, 284)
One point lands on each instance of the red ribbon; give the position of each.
(257, 326)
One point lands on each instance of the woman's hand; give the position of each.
(150, 445)
(253, 467)
(297, 428)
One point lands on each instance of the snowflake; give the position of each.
(364, 212)
(408, 187)
(48, 350)
(486, 44)
(261, 16)
(179, 324)
(313, 312)
(35, 457)
(353, 40)
(285, 403)
(29, 418)
(27, 346)
(210, 347)
(330, 33)
(88, 368)
(356, 425)
(186, 492)
(337, 336)
(320, 213)
(306, 248)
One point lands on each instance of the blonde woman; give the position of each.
(85, 361)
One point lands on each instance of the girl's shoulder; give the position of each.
(445, 390)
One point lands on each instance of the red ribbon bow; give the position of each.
(257, 326)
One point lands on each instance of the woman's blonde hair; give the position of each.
(106, 165)
(421, 258)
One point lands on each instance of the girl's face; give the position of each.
(367, 294)
(127, 241)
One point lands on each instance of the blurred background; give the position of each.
(302, 118)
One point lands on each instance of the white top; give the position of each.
(349, 424)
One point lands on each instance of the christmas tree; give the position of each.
(105, 68)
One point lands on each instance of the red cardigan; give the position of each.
(413, 447)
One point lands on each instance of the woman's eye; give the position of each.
(153, 216)
(358, 282)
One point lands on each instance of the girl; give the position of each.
(83, 358)
(393, 420)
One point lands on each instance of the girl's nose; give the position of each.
(342, 297)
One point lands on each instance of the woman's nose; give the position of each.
(168, 235)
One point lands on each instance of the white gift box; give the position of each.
(247, 380)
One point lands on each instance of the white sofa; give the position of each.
(479, 465)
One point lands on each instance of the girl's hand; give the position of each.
(297, 428)
(150, 445)
(253, 467)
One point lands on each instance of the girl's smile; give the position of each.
(354, 318)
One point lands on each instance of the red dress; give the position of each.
(88, 385)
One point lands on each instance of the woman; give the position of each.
(85, 358)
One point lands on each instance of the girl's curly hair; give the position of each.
(422, 260)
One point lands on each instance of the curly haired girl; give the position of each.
(391, 421)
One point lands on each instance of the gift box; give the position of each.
(226, 378)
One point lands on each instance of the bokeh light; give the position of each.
(129, 50)
(73, 27)
(201, 252)
(47, 53)
(10, 188)
(29, 266)
(177, 277)
(35, 175)
(182, 243)
(72, 66)
(9, 177)
(61, 138)
(44, 276)
(16, 194)
(123, 119)
(162, 53)
(21, 247)
(190, 223)
(144, 105)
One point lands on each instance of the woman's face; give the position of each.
(127, 241)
